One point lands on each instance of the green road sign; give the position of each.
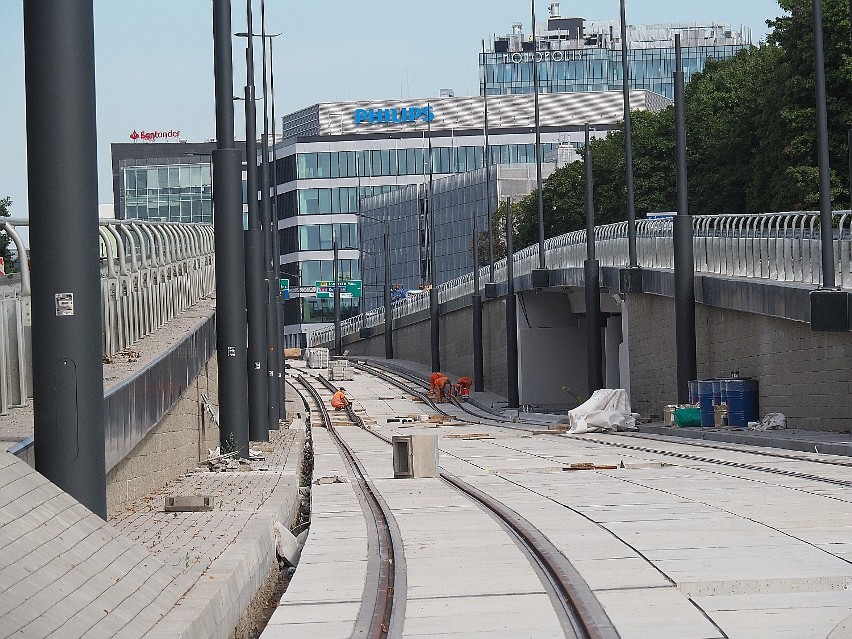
(284, 284)
(348, 289)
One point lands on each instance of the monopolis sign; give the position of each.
(153, 136)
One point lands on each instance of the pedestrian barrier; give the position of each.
(783, 247)
(150, 272)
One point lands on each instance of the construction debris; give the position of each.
(469, 436)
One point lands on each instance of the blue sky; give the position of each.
(154, 58)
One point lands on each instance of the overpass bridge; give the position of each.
(753, 278)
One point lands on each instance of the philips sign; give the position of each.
(393, 116)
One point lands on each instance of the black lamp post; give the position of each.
(255, 295)
(230, 262)
(540, 276)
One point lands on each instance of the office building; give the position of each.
(336, 155)
(164, 181)
(575, 54)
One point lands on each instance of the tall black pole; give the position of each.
(255, 280)
(66, 301)
(825, 217)
(231, 316)
(594, 347)
(511, 316)
(276, 238)
(434, 307)
(273, 336)
(476, 306)
(338, 338)
(487, 161)
(388, 303)
(541, 256)
(633, 259)
(684, 264)
(849, 151)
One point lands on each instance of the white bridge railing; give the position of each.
(783, 247)
(150, 272)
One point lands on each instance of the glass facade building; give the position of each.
(168, 193)
(574, 54)
(456, 199)
(165, 181)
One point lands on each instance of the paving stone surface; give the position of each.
(66, 573)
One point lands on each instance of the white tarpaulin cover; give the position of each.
(607, 409)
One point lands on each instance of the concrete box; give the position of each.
(415, 455)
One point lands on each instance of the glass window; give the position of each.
(324, 201)
(323, 165)
(308, 202)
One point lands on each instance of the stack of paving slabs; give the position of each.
(340, 370)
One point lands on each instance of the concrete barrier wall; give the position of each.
(176, 444)
(412, 342)
(803, 374)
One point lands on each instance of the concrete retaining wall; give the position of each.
(803, 374)
(411, 341)
(176, 444)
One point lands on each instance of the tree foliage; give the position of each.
(5, 240)
(751, 136)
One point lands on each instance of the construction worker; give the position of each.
(463, 387)
(433, 378)
(338, 400)
(443, 388)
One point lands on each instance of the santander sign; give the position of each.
(153, 136)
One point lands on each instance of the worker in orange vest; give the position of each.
(443, 388)
(463, 386)
(433, 378)
(338, 400)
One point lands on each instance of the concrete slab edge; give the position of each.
(752, 438)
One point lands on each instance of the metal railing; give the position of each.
(150, 272)
(783, 247)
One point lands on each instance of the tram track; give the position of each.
(383, 374)
(579, 612)
(382, 610)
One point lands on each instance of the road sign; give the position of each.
(296, 290)
(351, 288)
(284, 284)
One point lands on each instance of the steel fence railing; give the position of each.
(150, 272)
(783, 247)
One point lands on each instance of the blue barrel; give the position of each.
(705, 400)
(742, 401)
(693, 392)
(718, 385)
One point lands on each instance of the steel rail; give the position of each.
(703, 444)
(377, 615)
(578, 609)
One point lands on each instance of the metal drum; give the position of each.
(742, 401)
(693, 392)
(705, 400)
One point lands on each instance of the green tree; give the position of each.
(793, 171)
(5, 240)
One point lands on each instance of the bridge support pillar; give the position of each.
(594, 345)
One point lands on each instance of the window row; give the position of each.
(318, 237)
(395, 162)
(172, 176)
(326, 201)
